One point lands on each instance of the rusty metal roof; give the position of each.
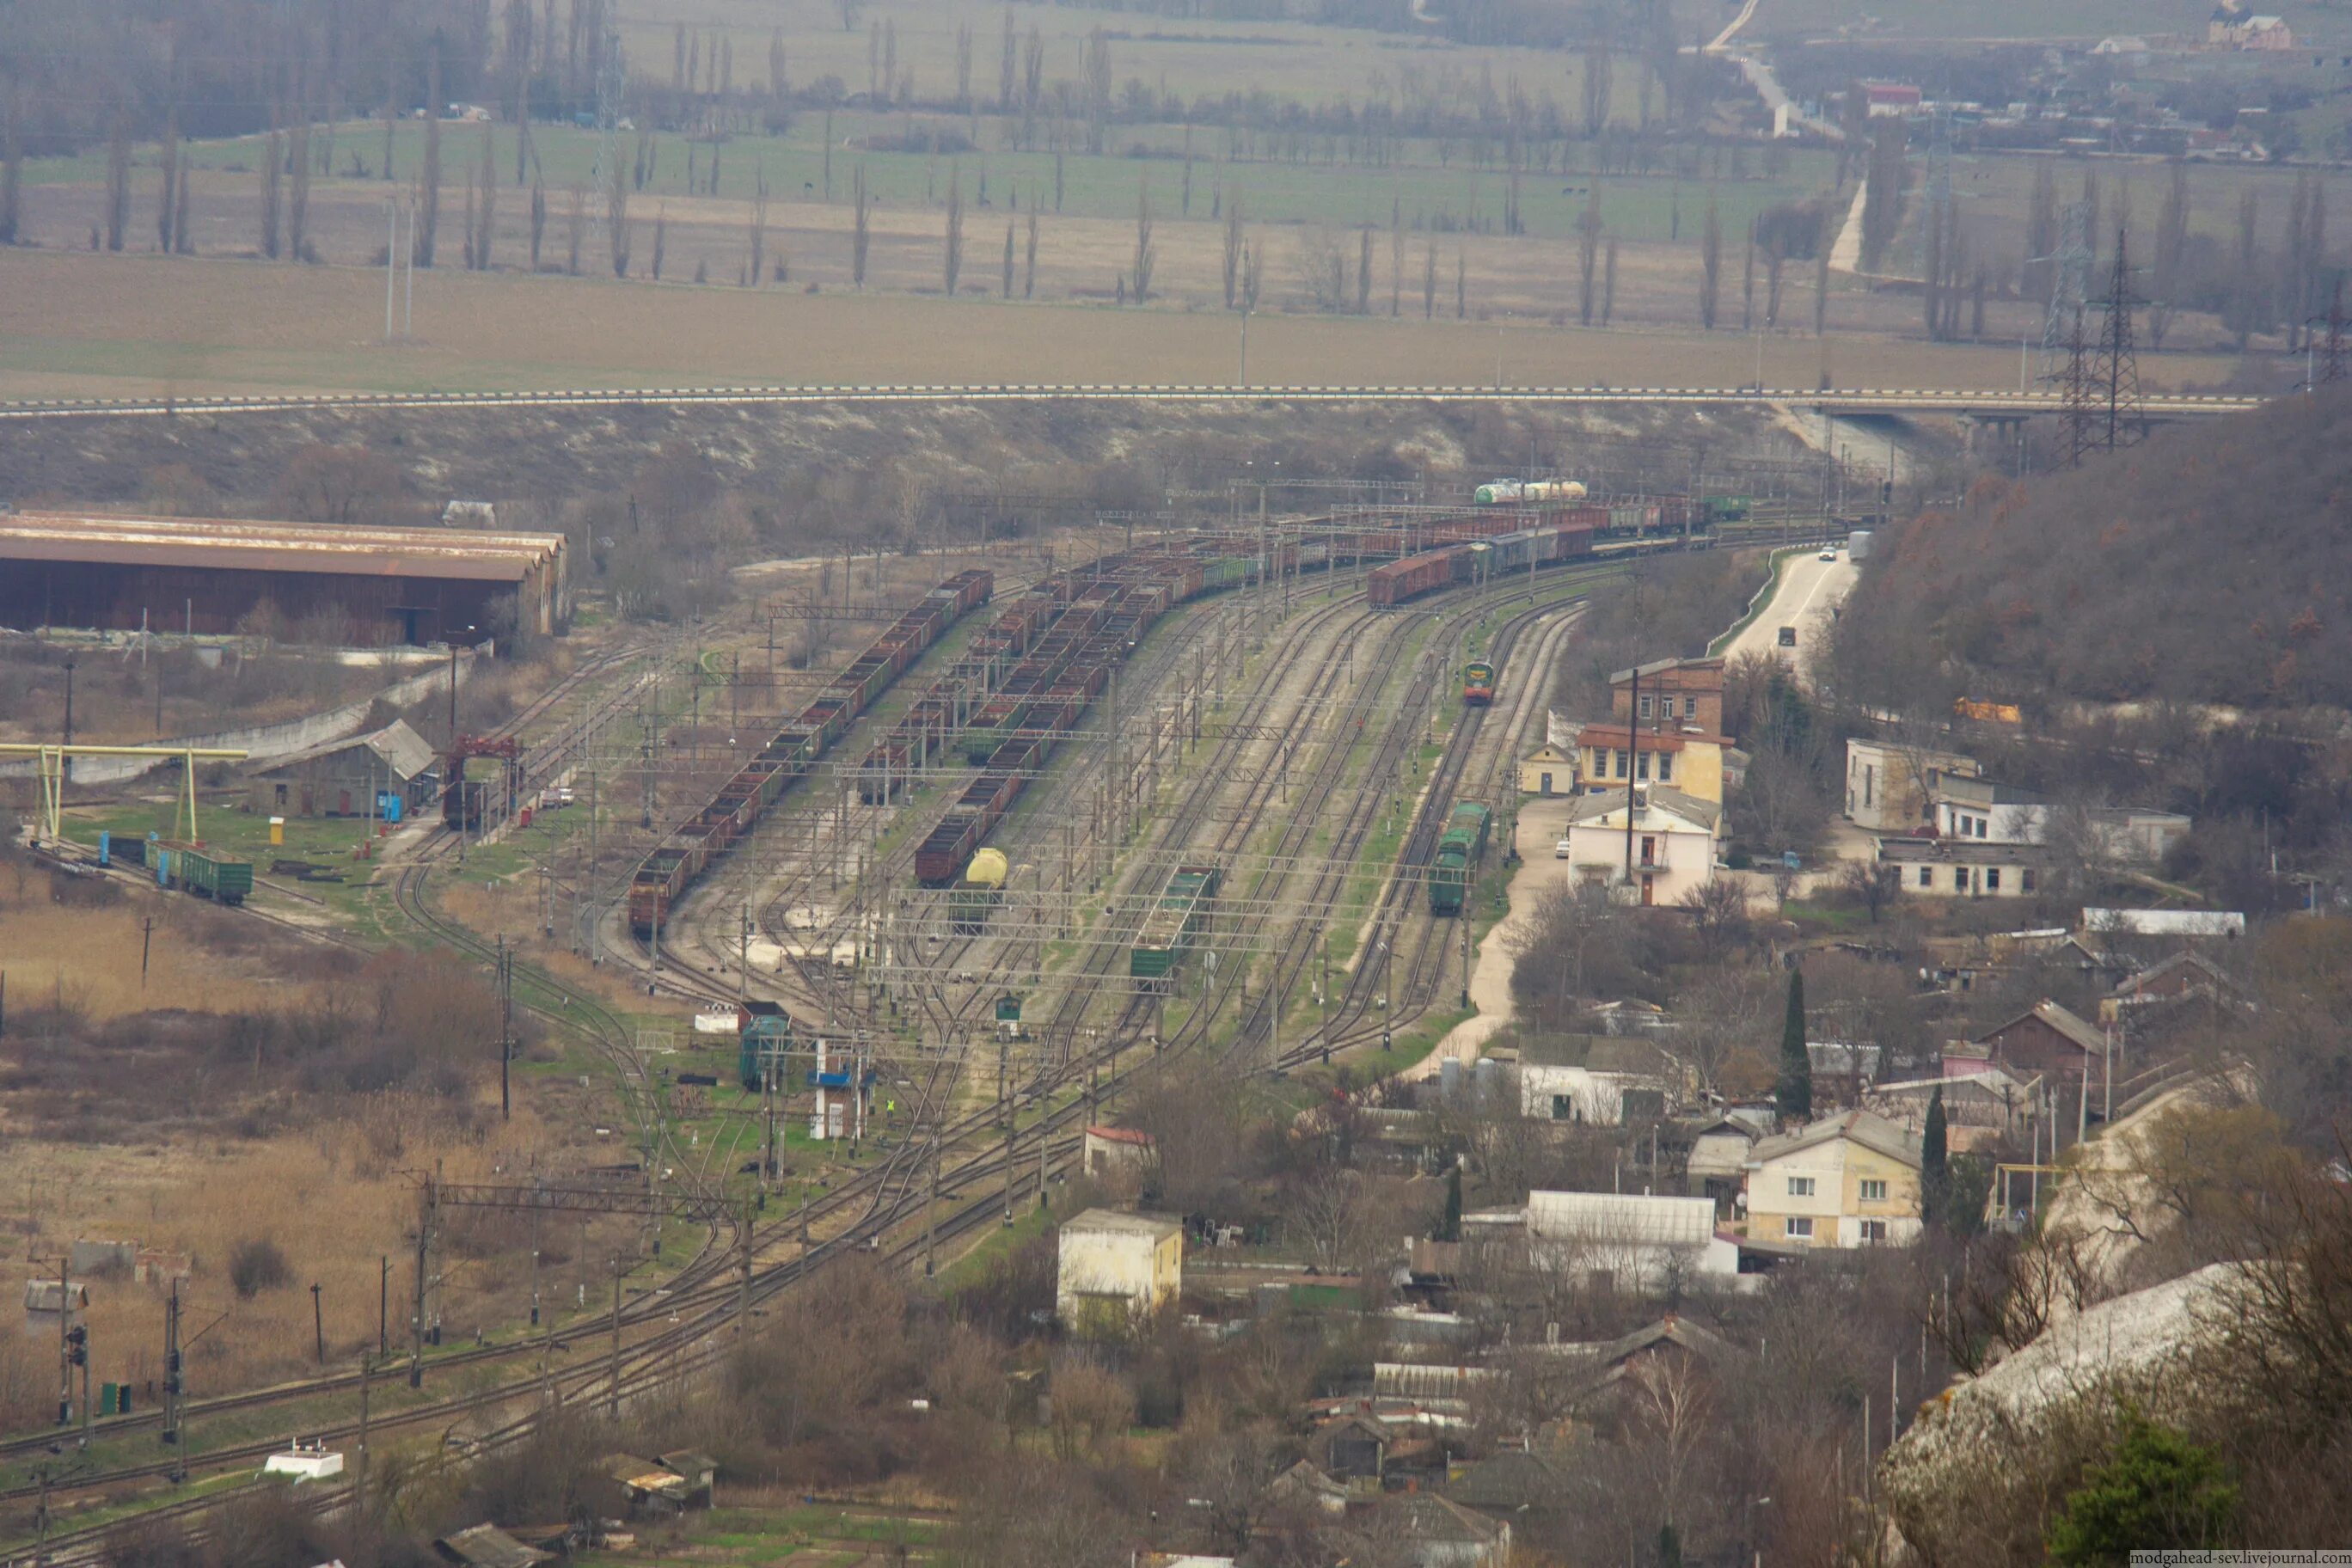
(234, 546)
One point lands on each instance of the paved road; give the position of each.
(1810, 589)
(1901, 400)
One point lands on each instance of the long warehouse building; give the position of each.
(389, 585)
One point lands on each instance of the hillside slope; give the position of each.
(2212, 564)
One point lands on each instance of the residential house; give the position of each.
(1514, 1482)
(2048, 1041)
(1982, 810)
(1111, 1267)
(1672, 843)
(1632, 1241)
(1849, 1180)
(1548, 770)
(1937, 868)
(1718, 1161)
(1672, 1338)
(1116, 1151)
(1354, 1447)
(1674, 693)
(2186, 973)
(1596, 1082)
(1980, 1108)
(1690, 760)
(2135, 835)
(1891, 788)
(1306, 1484)
(386, 774)
(2232, 27)
(1425, 1531)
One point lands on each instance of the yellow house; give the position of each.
(1846, 1180)
(1548, 770)
(1683, 760)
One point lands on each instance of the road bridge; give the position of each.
(1905, 401)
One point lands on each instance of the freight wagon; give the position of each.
(663, 878)
(1392, 585)
(1458, 854)
(208, 875)
(1173, 924)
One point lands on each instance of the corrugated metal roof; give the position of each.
(401, 750)
(234, 546)
(1634, 1219)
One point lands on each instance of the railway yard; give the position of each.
(1174, 808)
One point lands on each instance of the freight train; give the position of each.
(197, 871)
(1458, 854)
(1106, 607)
(663, 876)
(1398, 581)
(1526, 492)
(1174, 924)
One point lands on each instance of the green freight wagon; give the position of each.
(1458, 854)
(1174, 923)
(211, 876)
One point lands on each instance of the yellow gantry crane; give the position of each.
(52, 759)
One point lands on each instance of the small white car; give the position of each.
(1830, 554)
(1559, 850)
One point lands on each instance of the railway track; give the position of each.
(701, 1300)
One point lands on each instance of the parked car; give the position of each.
(1559, 850)
(1829, 553)
(1788, 637)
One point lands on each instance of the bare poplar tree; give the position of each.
(1145, 257)
(473, 220)
(1429, 283)
(963, 67)
(489, 180)
(1588, 228)
(1822, 245)
(1609, 285)
(759, 225)
(1233, 247)
(273, 154)
(391, 110)
(538, 220)
(1748, 281)
(1396, 258)
(951, 259)
(616, 219)
(1008, 259)
(1004, 68)
(298, 175)
(12, 164)
(1461, 287)
(1710, 265)
(1029, 269)
(117, 178)
(1364, 271)
(661, 238)
(576, 228)
(184, 242)
(428, 204)
(860, 233)
(165, 206)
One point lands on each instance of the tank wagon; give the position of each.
(665, 874)
(1458, 854)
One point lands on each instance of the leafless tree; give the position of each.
(952, 256)
(1090, 1404)
(1589, 230)
(183, 239)
(165, 207)
(1233, 246)
(1609, 284)
(12, 162)
(297, 171)
(1364, 271)
(538, 221)
(273, 150)
(861, 226)
(1029, 269)
(759, 225)
(1342, 1217)
(117, 178)
(1873, 884)
(1710, 265)
(489, 178)
(1718, 913)
(1005, 66)
(1008, 259)
(1429, 282)
(963, 67)
(661, 238)
(1461, 287)
(616, 220)
(428, 198)
(1145, 257)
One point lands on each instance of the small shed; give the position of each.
(1354, 1447)
(386, 773)
(699, 1471)
(643, 1489)
(487, 1546)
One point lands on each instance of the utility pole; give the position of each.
(174, 1388)
(416, 1319)
(618, 1269)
